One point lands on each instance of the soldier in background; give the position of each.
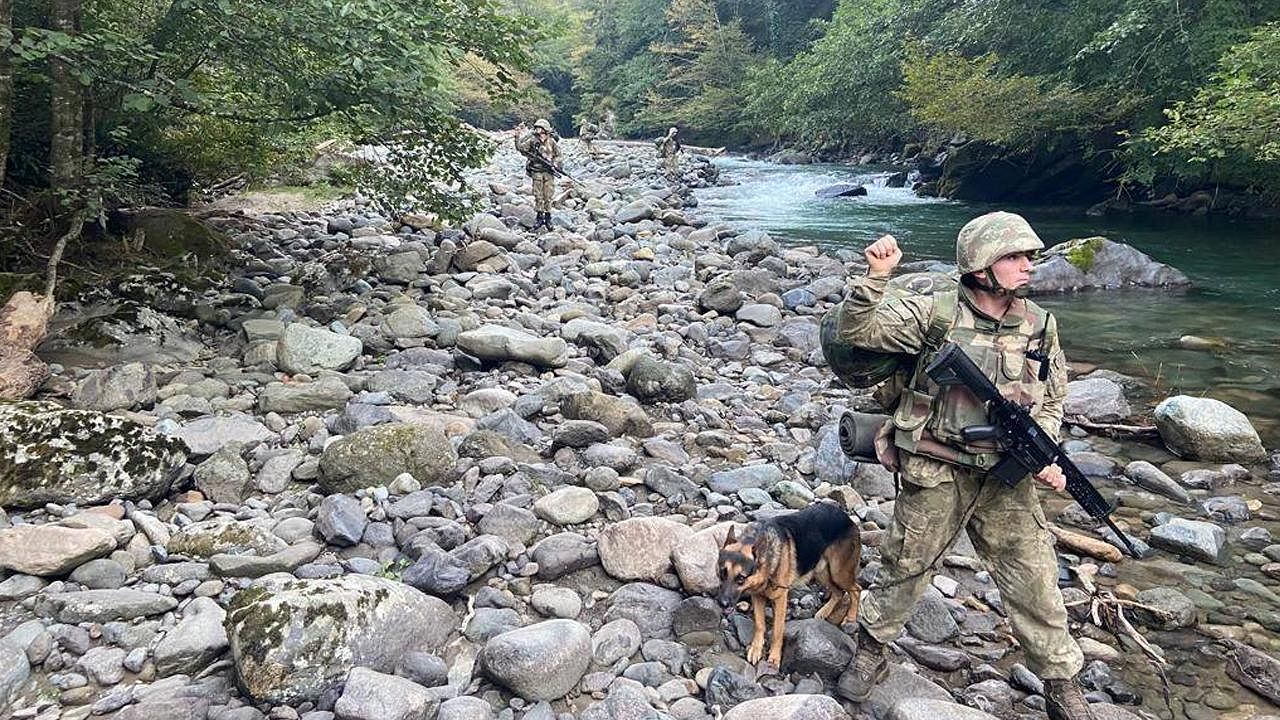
(669, 151)
(945, 487)
(587, 133)
(543, 153)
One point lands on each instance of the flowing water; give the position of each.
(1235, 302)
(1235, 266)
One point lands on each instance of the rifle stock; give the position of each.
(1027, 448)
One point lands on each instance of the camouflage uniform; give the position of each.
(587, 134)
(544, 185)
(943, 477)
(669, 151)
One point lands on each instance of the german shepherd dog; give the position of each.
(774, 554)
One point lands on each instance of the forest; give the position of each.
(116, 103)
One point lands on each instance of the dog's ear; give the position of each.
(732, 536)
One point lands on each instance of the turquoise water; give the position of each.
(1235, 266)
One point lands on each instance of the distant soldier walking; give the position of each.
(543, 163)
(587, 134)
(669, 151)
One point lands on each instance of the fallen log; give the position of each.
(1092, 547)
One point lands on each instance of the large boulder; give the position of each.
(292, 640)
(375, 455)
(52, 455)
(499, 343)
(653, 381)
(1208, 429)
(122, 387)
(1097, 262)
(1194, 538)
(640, 548)
(308, 350)
(51, 550)
(539, 662)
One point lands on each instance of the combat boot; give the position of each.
(1064, 700)
(869, 667)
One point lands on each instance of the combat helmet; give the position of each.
(987, 238)
(542, 123)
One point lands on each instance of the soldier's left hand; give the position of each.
(1052, 476)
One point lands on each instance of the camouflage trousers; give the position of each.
(1008, 530)
(671, 165)
(544, 188)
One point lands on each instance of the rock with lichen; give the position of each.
(292, 640)
(377, 455)
(52, 455)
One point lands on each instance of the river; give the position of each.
(1235, 266)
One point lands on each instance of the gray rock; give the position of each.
(101, 574)
(722, 297)
(487, 623)
(728, 689)
(194, 642)
(931, 620)
(253, 566)
(341, 520)
(376, 455)
(728, 482)
(206, 435)
(102, 665)
(371, 695)
(653, 381)
(564, 553)
(668, 483)
(615, 640)
(51, 550)
(1194, 538)
(640, 548)
(556, 602)
(540, 662)
(52, 455)
(816, 646)
(621, 417)
(567, 506)
(1150, 477)
(293, 640)
(224, 476)
(695, 558)
(1099, 399)
(1207, 429)
(308, 350)
(513, 524)
(437, 573)
(424, 668)
(277, 471)
(602, 341)
(102, 606)
(789, 707)
(760, 315)
(204, 539)
(122, 387)
(650, 607)
(1097, 262)
(327, 393)
(1178, 610)
(499, 343)
(1228, 509)
(14, 671)
(900, 685)
(465, 708)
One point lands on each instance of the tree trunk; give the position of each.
(6, 82)
(66, 127)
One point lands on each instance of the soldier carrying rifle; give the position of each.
(543, 153)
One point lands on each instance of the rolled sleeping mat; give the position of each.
(857, 434)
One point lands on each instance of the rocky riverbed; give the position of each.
(387, 470)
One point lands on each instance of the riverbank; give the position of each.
(490, 469)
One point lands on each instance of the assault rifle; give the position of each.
(1026, 447)
(555, 169)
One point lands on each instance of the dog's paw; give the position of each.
(775, 661)
(754, 653)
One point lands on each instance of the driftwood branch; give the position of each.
(1143, 433)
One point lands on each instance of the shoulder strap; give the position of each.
(941, 316)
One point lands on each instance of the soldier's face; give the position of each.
(1013, 271)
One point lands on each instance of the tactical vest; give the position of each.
(929, 418)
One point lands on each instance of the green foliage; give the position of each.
(1232, 122)
(949, 92)
(204, 89)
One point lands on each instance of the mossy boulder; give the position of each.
(375, 455)
(52, 455)
(172, 233)
(292, 640)
(1099, 263)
